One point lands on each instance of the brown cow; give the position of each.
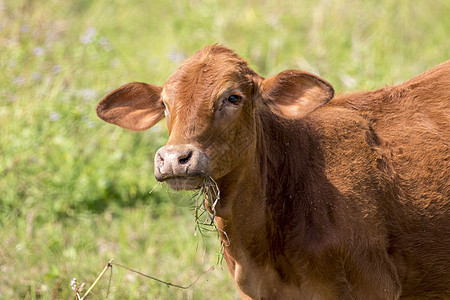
(347, 199)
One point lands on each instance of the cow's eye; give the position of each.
(234, 99)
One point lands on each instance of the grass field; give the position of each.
(75, 190)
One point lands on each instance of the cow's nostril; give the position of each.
(183, 159)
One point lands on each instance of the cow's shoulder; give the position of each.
(341, 133)
(349, 150)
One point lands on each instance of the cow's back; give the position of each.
(412, 122)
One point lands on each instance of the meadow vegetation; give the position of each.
(75, 190)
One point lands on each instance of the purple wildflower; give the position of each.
(88, 35)
(38, 51)
(54, 116)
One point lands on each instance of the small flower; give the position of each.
(176, 56)
(88, 35)
(90, 124)
(88, 94)
(19, 80)
(54, 116)
(56, 69)
(81, 287)
(75, 287)
(73, 284)
(24, 28)
(12, 63)
(36, 76)
(38, 51)
(105, 43)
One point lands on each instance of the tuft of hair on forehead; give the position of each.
(217, 54)
(218, 50)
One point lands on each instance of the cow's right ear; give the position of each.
(135, 106)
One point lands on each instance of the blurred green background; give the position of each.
(75, 190)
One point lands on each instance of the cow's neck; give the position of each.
(257, 196)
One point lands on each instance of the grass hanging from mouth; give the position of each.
(204, 202)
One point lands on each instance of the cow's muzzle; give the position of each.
(183, 167)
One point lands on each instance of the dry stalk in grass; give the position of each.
(204, 201)
(111, 263)
(95, 282)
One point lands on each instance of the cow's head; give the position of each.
(210, 107)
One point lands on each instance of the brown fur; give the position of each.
(344, 200)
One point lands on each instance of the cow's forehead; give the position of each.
(209, 71)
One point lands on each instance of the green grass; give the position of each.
(75, 189)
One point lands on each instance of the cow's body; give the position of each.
(348, 200)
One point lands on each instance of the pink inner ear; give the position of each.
(135, 106)
(293, 94)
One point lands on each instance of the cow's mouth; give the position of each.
(185, 182)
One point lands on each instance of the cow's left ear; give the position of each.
(293, 94)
